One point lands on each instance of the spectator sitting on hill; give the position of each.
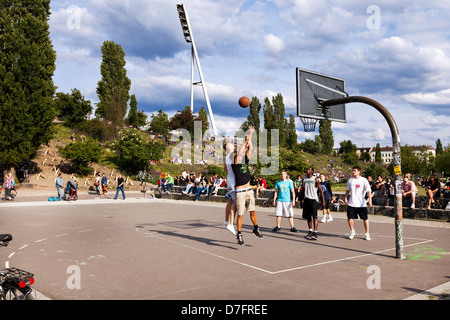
(446, 189)
(433, 190)
(379, 186)
(409, 190)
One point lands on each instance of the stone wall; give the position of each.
(381, 204)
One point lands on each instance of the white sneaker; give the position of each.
(231, 229)
(413, 206)
(324, 219)
(330, 219)
(367, 236)
(352, 234)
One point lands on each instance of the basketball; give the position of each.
(244, 102)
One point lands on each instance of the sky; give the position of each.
(395, 52)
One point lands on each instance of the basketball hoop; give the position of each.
(309, 124)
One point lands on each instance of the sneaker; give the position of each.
(231, 229)
(352, 234)
(257, 233)
(413, 206)
(314, 236)
(294, 230)
(308, 236)
(240, 239)
(324, 219)
(277, 228)
(330, 219)
(367, 236)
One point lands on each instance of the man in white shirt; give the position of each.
(357, 187)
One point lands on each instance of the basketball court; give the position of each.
(141, 249)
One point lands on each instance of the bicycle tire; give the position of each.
(15, 293)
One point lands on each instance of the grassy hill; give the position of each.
(329, 165)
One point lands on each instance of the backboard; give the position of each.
(314, 88)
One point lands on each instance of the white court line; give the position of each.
(349, 258)
(290, 269)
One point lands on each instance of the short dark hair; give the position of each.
(357, 168)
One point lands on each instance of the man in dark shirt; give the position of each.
(120, 186)
(245, 199)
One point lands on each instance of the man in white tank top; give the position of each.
(310, 187)
(231, 184)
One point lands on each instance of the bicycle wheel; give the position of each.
(19, 294)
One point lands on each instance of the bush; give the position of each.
(81, 155)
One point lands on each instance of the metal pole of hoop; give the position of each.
(398, 210)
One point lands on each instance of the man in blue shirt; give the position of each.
(284, 201)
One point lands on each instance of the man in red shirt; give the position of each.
(262, 185)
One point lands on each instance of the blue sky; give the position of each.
(398, 54)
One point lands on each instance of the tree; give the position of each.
(132, 113)
(203, 117)
(291, 133)
(326, 136)
(378, 153)
(72, 108)
(81, 154)
(114, 85)
(253, 117)
(134, 150)
(346, 146)
(184, 120)
(159, 123)
(27, 64)
(136, 118)
(439, 149)
(269, 117)
(279, 113)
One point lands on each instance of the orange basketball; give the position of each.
(244, 102)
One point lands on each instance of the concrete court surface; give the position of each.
(145, 249)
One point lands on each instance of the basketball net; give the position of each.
(309, 125)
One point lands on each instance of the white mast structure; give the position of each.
(189, 37)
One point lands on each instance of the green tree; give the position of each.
(326, 136)
(114, 87)
(291, 133)
(81, 155)
(134, 150)
(253, 118)
(159, 123)
(136, 118)
(279, 113)
(72, 108)
(269, 117)
(132, 113)
(346, 146)
(439, 149)
(378, 153)
(27, 64)
(184, 120)
(203, 117)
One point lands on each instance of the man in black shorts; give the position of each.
(357, 187)
(311, 185)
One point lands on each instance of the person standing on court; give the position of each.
(60, 186)
(245, 198)
(310, 193)
(328, 194)
(284, 202)
(230, 209)
(120, 186)
(357, 187)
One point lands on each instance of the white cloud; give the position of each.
(440, 97)
(273, 44)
